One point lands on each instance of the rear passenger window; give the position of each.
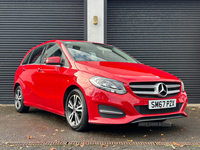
(36, 56)
(26, 59)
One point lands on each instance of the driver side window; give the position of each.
(52, 50)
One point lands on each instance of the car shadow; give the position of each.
(47, 116)
(105, 129)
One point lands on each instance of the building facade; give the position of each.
(163, 34)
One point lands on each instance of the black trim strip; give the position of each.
(155, 118)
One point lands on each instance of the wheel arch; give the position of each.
(15, 86)
(20, 83)
(68, 90)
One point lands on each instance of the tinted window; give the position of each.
(36, 56)
(26, 59)
(83, 51)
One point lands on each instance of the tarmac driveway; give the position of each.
(39, 126)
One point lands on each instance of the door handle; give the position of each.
(39, 69)
(24, 69)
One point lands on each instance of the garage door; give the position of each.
(163, 34)
(24, 24)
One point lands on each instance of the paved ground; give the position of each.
(37, 128)
(115, 147)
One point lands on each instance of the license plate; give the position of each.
(161, 104)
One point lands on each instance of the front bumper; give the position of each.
(131, 107)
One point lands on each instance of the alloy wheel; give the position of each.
(75, 109)
(18, 98)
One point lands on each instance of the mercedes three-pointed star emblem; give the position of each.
(161, 89)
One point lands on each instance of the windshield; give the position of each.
(83, 51)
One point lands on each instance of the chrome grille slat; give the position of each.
(173, 91)
(150, 89)
(172, 86)
(145, 93)
(142, 86)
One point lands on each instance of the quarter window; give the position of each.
(26, 59)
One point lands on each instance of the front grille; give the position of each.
(143, 109)
(151, 89)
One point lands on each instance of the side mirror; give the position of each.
(53, 60)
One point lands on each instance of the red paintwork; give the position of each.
(44, 86)
(53, 60)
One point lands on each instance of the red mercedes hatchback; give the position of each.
(93, 83)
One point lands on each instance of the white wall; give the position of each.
(95, 33)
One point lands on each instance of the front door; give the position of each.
(49, 80)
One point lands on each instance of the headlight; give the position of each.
(182, 86)
(108, 85)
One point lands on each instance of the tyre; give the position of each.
(19, 101)
(76, 111)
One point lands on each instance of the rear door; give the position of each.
(29, 74)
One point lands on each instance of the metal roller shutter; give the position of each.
(163, 34)
(27, 23)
